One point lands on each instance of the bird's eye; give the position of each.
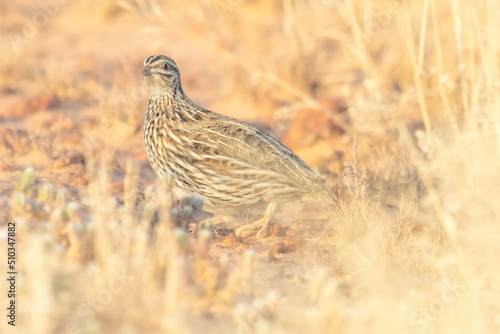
(166, 67)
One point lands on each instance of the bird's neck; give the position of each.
(172, 101)
(167, 97)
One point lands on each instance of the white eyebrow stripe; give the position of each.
(159, 70)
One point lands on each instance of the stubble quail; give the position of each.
(232, 165)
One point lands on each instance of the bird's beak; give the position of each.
(146, 71)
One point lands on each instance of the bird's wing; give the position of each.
(230, 152)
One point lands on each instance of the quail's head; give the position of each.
(161, 73)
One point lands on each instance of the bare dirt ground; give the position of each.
(396, 104)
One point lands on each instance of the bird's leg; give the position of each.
(266, 219)
(263, 223)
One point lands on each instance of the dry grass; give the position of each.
(412, 246)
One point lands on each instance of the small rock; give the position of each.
(290, 244)
(274, 230)
(278, 248)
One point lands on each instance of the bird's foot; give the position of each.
(263, 223)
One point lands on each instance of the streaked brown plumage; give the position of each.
(232, 165)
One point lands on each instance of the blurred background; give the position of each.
(396, 103)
